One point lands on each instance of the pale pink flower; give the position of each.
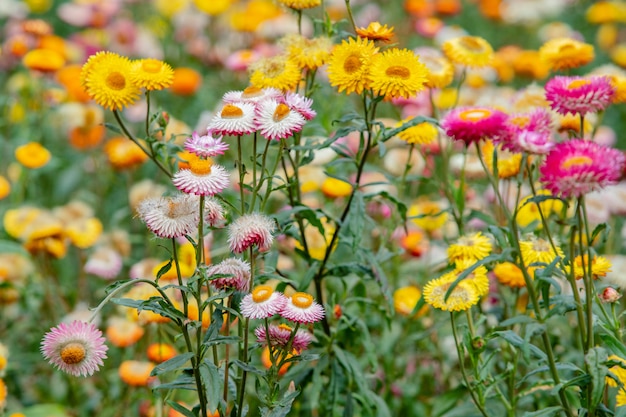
(279, 335)
(104, 262)
(250, 230)
(169, 217)
(262, 303)
(202, 178)
(301, 308)
(276, 120)
(234, 119)
(205, 146)
(251, 95)
(237, 271)
(301, 104)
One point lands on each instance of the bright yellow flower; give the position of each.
(349, 65)
(509, 274)
(405, 299)
(422, 134)
(606, 12)
(528, 213)
(446, 98)
(620, 374)
(461, 298)
(279, 72)
(566, 53)
(300, 4)
(333, 187)
(107, 79)
(599, 266)
(124, 153)
(529, 64)
(539, 250)
(44, 60)
(375, 32)
(471, 247)
(429, 215)
(249, 17)
(32, 155)
(151, 74)
(471, 51)
(397, 73)
(509, 163)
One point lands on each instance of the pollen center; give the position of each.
(261, 293)
(352, 64)
(115, 81)
(520, 121)
(284, 327)
(398, 72)
(577, 83)
(251, 92)
(474, 115)
(231, 112)
(200, 166)
(541, 245)
(151, 65)
(274, 70)
(73, 353)
(302, 300)
(574, 161)
(471, 44)
(282, 111)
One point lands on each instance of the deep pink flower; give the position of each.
(301, 308)
(471, 124)
(249, 230)
(205, 146)
(577, 167)
(579, 95)
(76, 348)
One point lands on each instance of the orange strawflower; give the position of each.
(186, 81)
(376, 32)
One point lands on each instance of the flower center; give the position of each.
(470, 43)
(231, 112)
(284, 327)
(474, 115)
(352, 64)
(115, 81)
(274, 70)
(251, 92)
(520, 121)
(302, 300)
(577, 83)
(541, 245)
(282, 111)
(574, 161)
(396, 71)
(73, 353)
(200, 166)
(567, 48)
(262, 293)
(152, 66)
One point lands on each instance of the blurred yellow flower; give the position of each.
(300, 4)
(606, 12)
(44, 60)
(376, 32)
(38, 6)
(212, 7)
(405, 300)
(169, 8)
(599, 266)
(472, 247)
(471, 51)
(423, 133)
(32, 155)
(529, 64)
(440, 71)
(316, 243)
(566, 53)
(248, 18)
(310, 53)
(509, 163)
(509, 274)
(427, 214)
(5, 187)
(607, 36)
(186, 81)
(528, 213)
(84, 233)
(124, 153)
(333, 187)
(445, 98)
(279, 72)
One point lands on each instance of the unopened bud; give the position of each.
(478, 344)
(337, 311)
(610, 295)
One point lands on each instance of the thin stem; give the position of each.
(350, 15)
(241, 166)
(180, 278)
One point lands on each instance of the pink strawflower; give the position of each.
(238, 272)
(276, 120)
(471, 124)
(234, 119)
(579, 95)
(537, 143)
(262, 302)
(76, 348)
(213, 212)
(529, 132)
(249, 230)
(251, 95)
(301, 308)
(205, 146)
(169, 217)
(104, 262)
(301, 104)
(577, 167)
(202, 178)
(280, 336)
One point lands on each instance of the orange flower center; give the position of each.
(302, 300)
(251, 91)
(115, 81)
(352, 64)
(396, 71)
(284, 327)
(541, 245)
(151, 65)
(577, 83)
(200, 166)
(231, 112)
(520, 121)
(274, 69)
(282, 110)
(73, 353)
(579, 160)
(474, 115)
(470, 43)
(262, 293)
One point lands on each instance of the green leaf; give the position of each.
(565, 366)
(596, 363)
(172, 364)
(613, 344)
(446, 401)
(522, 344)
(389, 133)
(45, 410)
(183, 381)
(164, 269)
(213, 384)
(8, 246)
(546, 412)
(247, 367)
(178, 407)
(114, 128)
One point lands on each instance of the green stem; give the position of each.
(350, 15)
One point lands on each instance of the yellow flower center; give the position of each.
(302, 300)
(577, 83)
(231, 112)
(541, 245)
(474, 115)
(396, 71)
(73, 353)
(262, 293)
(282, 110)
(352, 64)
(567, 48)
(251, 91)
(470, 43)
(115, 81)
(152, 66)
(274, 69)
(579, 160)
(200, 166)
(284, 327)
(520, 121)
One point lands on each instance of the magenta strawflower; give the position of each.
(471, 124)
(76, 348)
(281, 334)
(250, 230)
(251, 95)
(276, 120)
(205, 146)
(301, 308)
(234, 119)
(530, 132)
(577, 167)
(579, 95)
(202, 178)
(262, 302)
(238, 272)
(169, 217)
(301, 104)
